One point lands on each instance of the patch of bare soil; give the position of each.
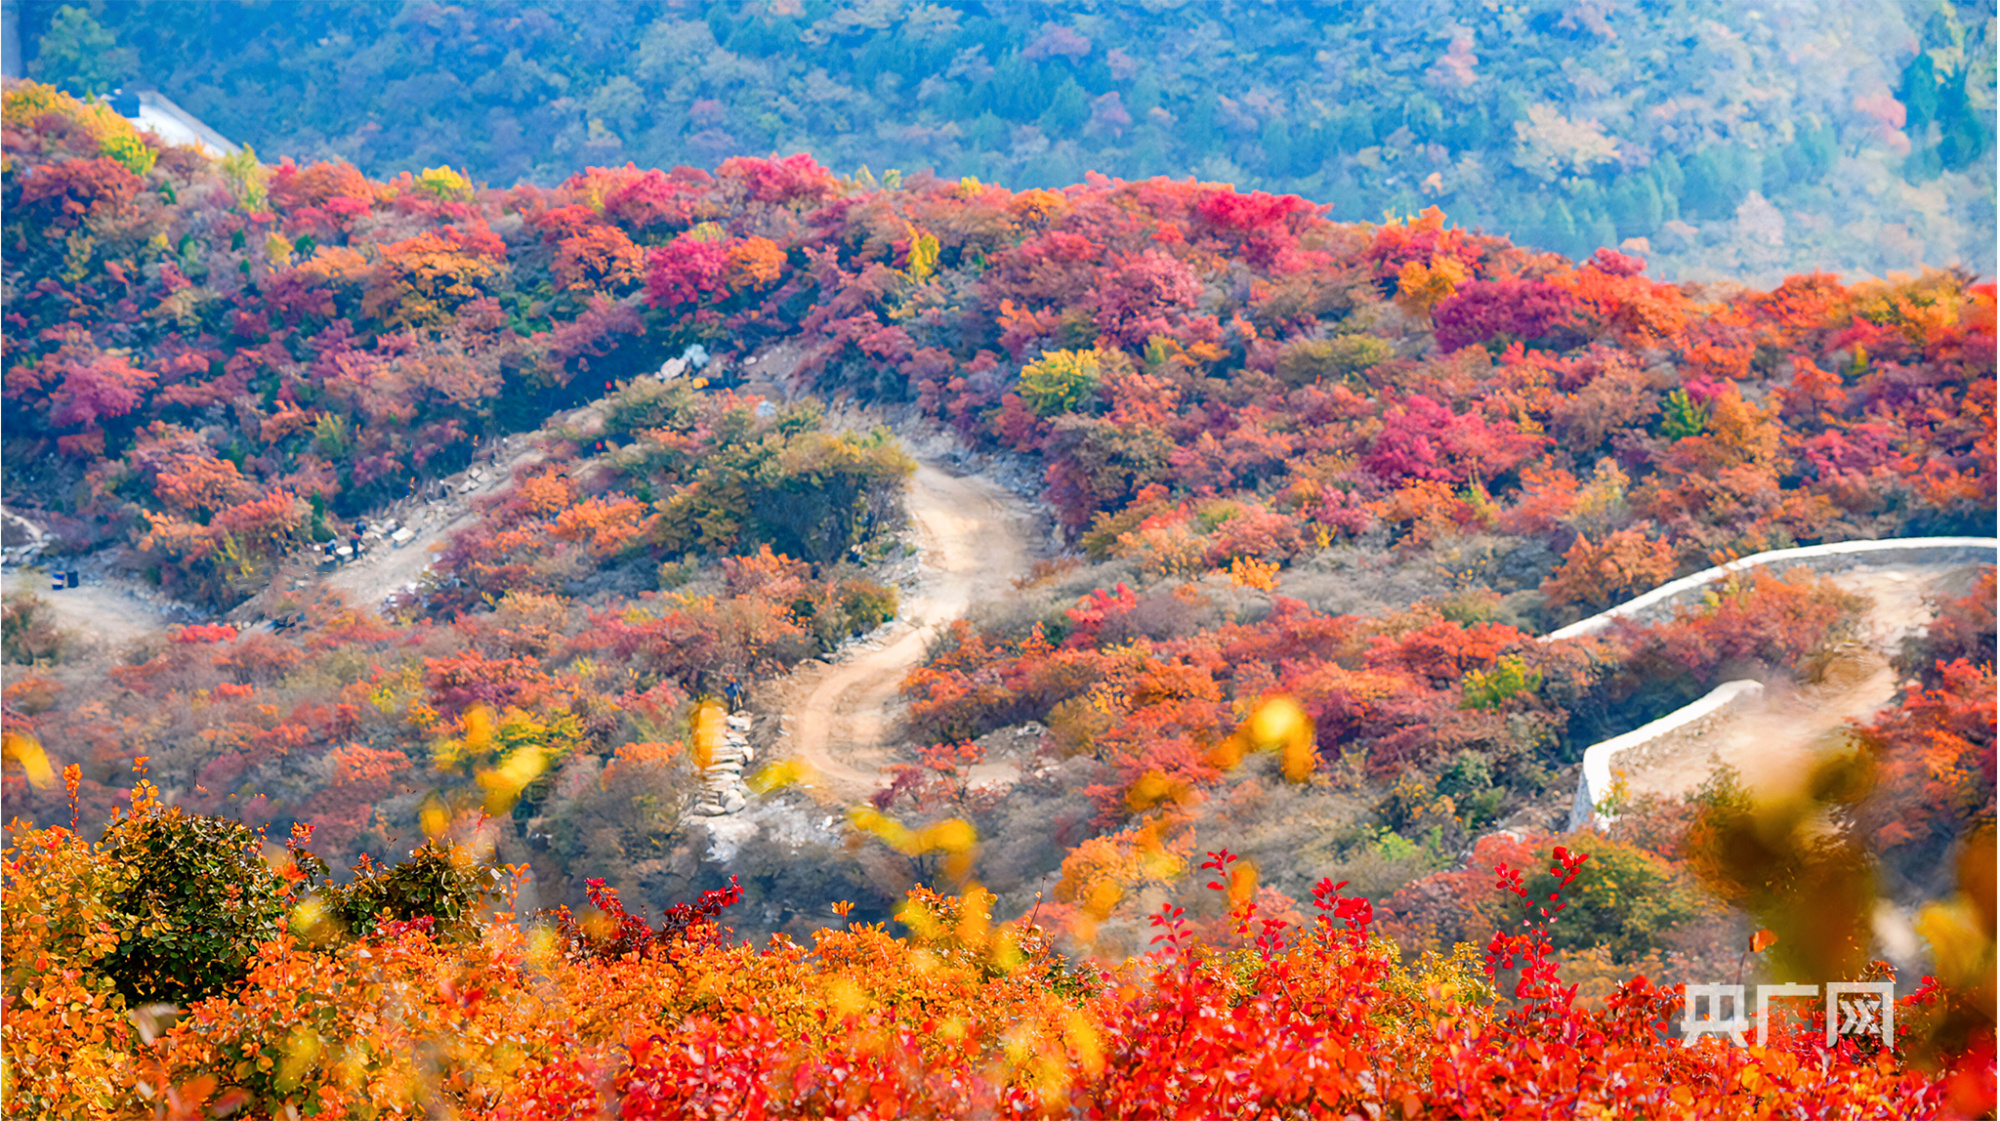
(103, 615)
(975, 537)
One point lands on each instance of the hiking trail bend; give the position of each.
(975, 538)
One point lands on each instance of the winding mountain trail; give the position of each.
(386, 570)
(106, 613)
(975, 537)
(1773, 744)
(103, 615)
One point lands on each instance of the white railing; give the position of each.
(1597, 777)
(1864, 551)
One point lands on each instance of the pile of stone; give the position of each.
(21, 541)
(722, 789)
(374, 534)
(694, 358)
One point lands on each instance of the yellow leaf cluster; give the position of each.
(1421, 287)
(26, 102)
(1249, 572)
(444, 183)
(1278, 724)
(26, 752)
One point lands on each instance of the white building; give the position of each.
(155, 112)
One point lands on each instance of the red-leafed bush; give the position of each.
(293, 188)
(1935, 761)
(204, 633)
(792, 179)
(63, 196)
(685, 270)
(1506, 311)
(1425, 439)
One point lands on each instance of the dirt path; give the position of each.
(386, 569)
(1774, 743)
(975, 537)
(101, 612)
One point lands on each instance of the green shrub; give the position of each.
(440, 882)
(1683, 417)
(1311, 360)
(191, 899)
(866, 604)
(1625, 898)
(1060, 381)
(1468, 780)
(810, 494)
(1510, 676)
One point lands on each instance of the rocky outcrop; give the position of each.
(722, 788)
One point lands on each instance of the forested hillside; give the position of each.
(1318, 484)
(1739, 140)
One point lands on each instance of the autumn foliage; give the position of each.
(358, 337)
(548, 1015)
(1319, 485)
